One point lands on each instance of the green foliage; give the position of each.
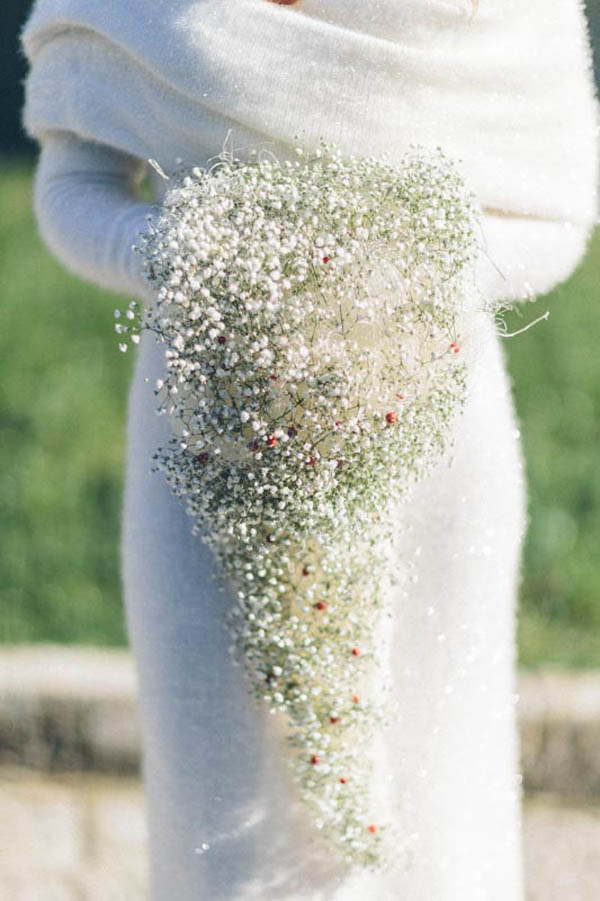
(62, 404)
(556, 374)
(62, 409)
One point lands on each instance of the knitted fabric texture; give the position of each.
(508, 93)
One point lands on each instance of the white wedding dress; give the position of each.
(225, 823)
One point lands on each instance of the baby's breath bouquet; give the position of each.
(310, 316)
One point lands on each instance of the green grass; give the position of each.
(62, 397)
(555, 369)
(62, 401)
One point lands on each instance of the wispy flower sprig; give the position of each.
(309, 312)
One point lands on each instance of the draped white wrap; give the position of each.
(509, 94)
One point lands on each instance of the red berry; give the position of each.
(311, 461)
(334, 719)
(314, 759)
(273, 376)
(390, 417)
(320, 605)
(372, 828)
(340, 463)
(326, 259)
(305, 571)
(355, 651)
(355, 699)
(455, 347)
(338, 422)
(343, 779)
(271, 440)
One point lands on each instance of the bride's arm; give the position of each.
(88, 210)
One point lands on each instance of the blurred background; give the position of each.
(62, 406)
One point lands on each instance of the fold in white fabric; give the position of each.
(509, 93)
(88, 212)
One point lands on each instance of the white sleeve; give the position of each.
(88, 211)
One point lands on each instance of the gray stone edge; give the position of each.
(75, 708)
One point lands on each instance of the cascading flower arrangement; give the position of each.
(310, 312)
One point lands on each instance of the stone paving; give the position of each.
(81, 837)
(70, 838)
(74, 708)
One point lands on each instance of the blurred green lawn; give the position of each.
(63, 393)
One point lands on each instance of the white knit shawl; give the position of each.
(509, 94)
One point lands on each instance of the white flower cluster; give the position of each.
(309, 315)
